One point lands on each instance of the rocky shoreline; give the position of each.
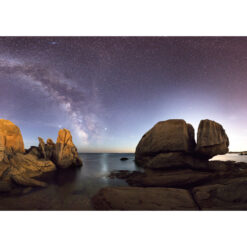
(178, 172)
(20, 167)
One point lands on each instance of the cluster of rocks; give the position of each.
(23, 167)
(177, 173)
(171, 144)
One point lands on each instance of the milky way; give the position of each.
(110, 91)
(67, 95)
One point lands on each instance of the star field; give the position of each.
(110, 90)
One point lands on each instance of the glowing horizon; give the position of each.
(109, 91)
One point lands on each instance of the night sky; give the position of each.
(110, 90)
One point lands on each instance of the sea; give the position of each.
(72, 189)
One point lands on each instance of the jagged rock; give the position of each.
(166, 145)
(34, 151)
(3, 168)
(211, 139)
(50, 142)
(66, 154)
(228, 194)
(2, 148)
(24, 168)
(11, 138)
(137, 198)
(50, 149)
(27, 181)
(42, 147)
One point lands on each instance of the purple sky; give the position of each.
(110, 91)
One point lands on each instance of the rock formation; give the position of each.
(65, 153)
(211, 139)
(18, 166)
(171, 144)
(11, 137)
(168, 144)
(42, 147)
(177, 172)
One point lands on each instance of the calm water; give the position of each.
(233, 157)
(72, 189)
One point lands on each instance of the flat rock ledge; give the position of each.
(137, 198)
(222, 187)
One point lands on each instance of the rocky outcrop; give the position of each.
(21, 167)
(65, 153)
(24, 168)
(211, 139)
(42, 147)
(137, 198)
(166, 144)
(11, 137)
(179, 170)
(171, 145)
(50, 149)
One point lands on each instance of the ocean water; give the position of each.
(72, 189)
(231, 156)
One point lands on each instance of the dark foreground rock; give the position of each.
(136, 198)
(176, 179)
(222, 187)
(229, 194)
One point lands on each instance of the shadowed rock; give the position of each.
(211, 139)
(227, 194)
(42, 147)
(165, 144)
(177, 179)
(136, 198)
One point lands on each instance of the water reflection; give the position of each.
(70, 189)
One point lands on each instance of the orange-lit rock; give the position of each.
(66, 154)
(11, 137)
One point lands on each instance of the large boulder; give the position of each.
(10, 138)
(166, 145)
(65, 154)
(138, 198)
(211, 139)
